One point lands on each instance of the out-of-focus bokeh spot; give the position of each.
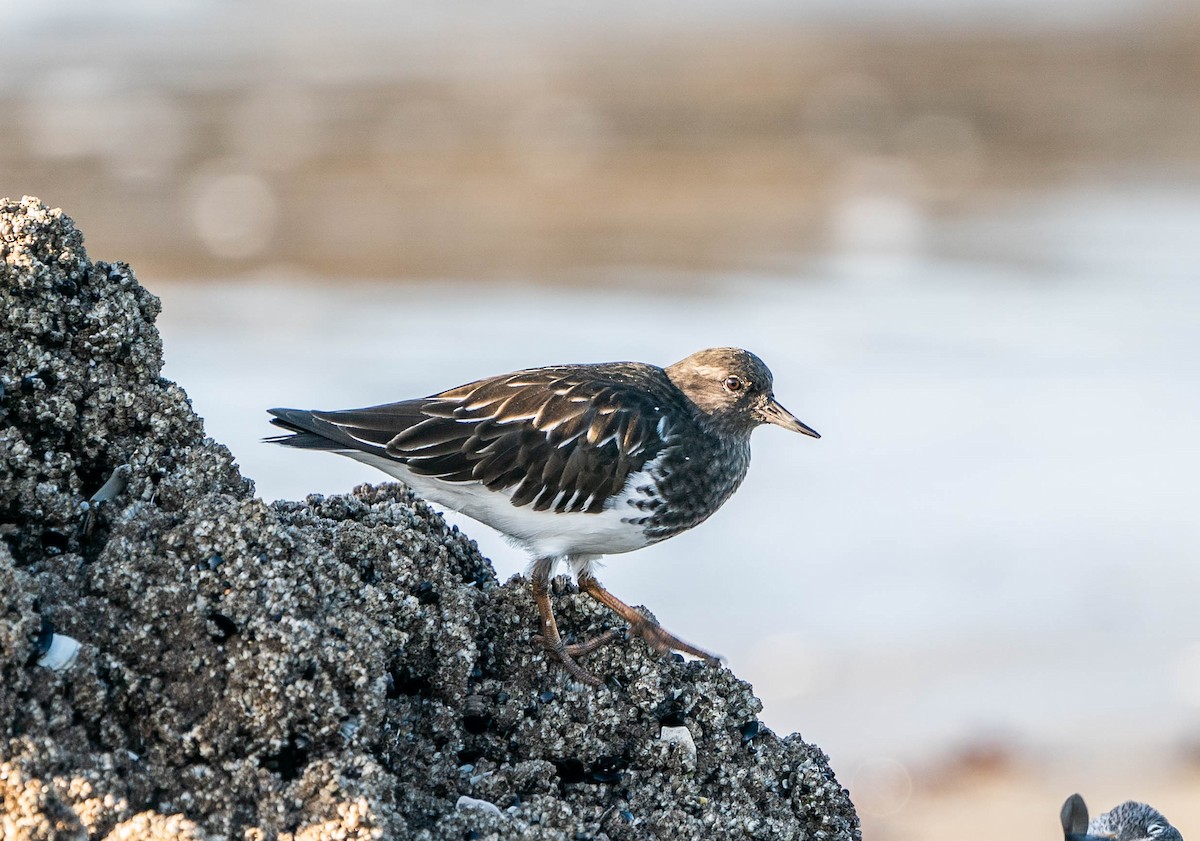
(878, 209)
(880, 786)
(71, 113)
(234, 210)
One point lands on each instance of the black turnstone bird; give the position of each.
(1131, 821)
(571, 462)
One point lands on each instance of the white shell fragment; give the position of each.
(113, 487)
(464, 803)
(679, 736)
(61, 654)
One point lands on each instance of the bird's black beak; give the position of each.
(772, 412)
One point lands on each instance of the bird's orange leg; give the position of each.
(551, 640)
(640, 625)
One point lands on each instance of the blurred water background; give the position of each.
(964, 235)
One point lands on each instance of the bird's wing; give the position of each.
(557, 438)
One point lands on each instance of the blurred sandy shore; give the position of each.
(1001, 800)
(489, 156)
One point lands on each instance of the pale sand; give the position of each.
(1020, 799)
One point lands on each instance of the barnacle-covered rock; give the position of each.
(341, 667)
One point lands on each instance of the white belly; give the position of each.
(543, 533)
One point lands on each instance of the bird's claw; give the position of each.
(664, 642)
(566, 654)
(657, 637)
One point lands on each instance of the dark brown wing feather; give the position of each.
(562, 438)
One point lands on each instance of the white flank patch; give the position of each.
(545, 534)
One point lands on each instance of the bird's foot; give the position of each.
(596, 642)
(664, 642)
(566, 654)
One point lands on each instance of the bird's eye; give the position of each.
(734, 384)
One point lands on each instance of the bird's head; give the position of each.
(1133, 821)
(734, 389)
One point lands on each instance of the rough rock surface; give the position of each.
(343, 667)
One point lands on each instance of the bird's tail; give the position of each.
(304, 431)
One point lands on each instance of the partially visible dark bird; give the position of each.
(571, 462)
(1131, 821)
